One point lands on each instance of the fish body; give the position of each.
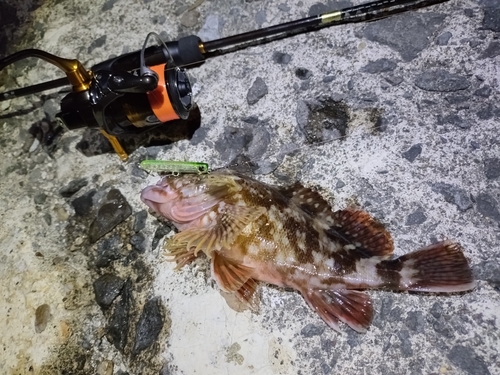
(290, 237)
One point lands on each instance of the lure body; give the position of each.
(174, 167)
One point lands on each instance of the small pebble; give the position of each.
(42, 317)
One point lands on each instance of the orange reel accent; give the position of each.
(159, 99)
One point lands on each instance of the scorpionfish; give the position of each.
(290, 237)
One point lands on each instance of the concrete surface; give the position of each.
(400, 116)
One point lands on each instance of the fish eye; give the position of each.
(202, 168)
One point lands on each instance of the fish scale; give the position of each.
(290, 237)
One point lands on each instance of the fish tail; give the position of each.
(441, 267)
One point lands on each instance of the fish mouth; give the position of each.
(155, 197)
(166, 202)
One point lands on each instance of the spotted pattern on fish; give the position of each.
(289, 236)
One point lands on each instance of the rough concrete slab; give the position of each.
(400, 116)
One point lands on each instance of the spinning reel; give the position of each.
(135, 92)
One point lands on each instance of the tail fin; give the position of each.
(441, 267)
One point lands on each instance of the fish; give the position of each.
(291, 237)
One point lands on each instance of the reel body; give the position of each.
(125, 103)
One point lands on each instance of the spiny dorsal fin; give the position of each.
(357, 228)
(310, 201)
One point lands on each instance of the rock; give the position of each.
(320, 8)
(415, 321)
(108, 5)
(40, 198)
(469, 12)
(105, 368)
(340, 184)
(106, 289)
(83, 205)
(491, 51)
(441, 80)
(322, 120)
(140, 220)
(483, 92)
(443, 39)
(311, 330)
(416, 218)
(47, 218)
(138, 241)
(199, 136)
(149, 325)
(485, 112)
(211, 28)
(281, 58)
(436, 310)
(408, 33)
(114, 210)
(108, 250)
(488, 270)
(442, 327)
(467, 360)
(257, 91)
(455, 120)
(73, 187)
(406, 349)
(252, 120)
(261, 17)
(491, 20)
(50, 108)
(118, 322)
(394, 80)
(492, 168)
(259, 143)
(233, 141)
(379, 66)
(93, 143)
(99, 42)
(160, 232)
(413, 152)
(303, 73)
(453, 194)
(457, 99)
(42, 317)
(488, 206)
(190, 19)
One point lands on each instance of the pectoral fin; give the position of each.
(229, 222)
(179, 254)
(352, 307)
(235, 278)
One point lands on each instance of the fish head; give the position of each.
(185, 199)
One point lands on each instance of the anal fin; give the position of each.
(352, 307)
(234, 277)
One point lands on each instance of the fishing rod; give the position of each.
(138, 91)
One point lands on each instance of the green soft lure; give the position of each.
(174, 167)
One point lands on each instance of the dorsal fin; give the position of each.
(310, 201)
(358, 229)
